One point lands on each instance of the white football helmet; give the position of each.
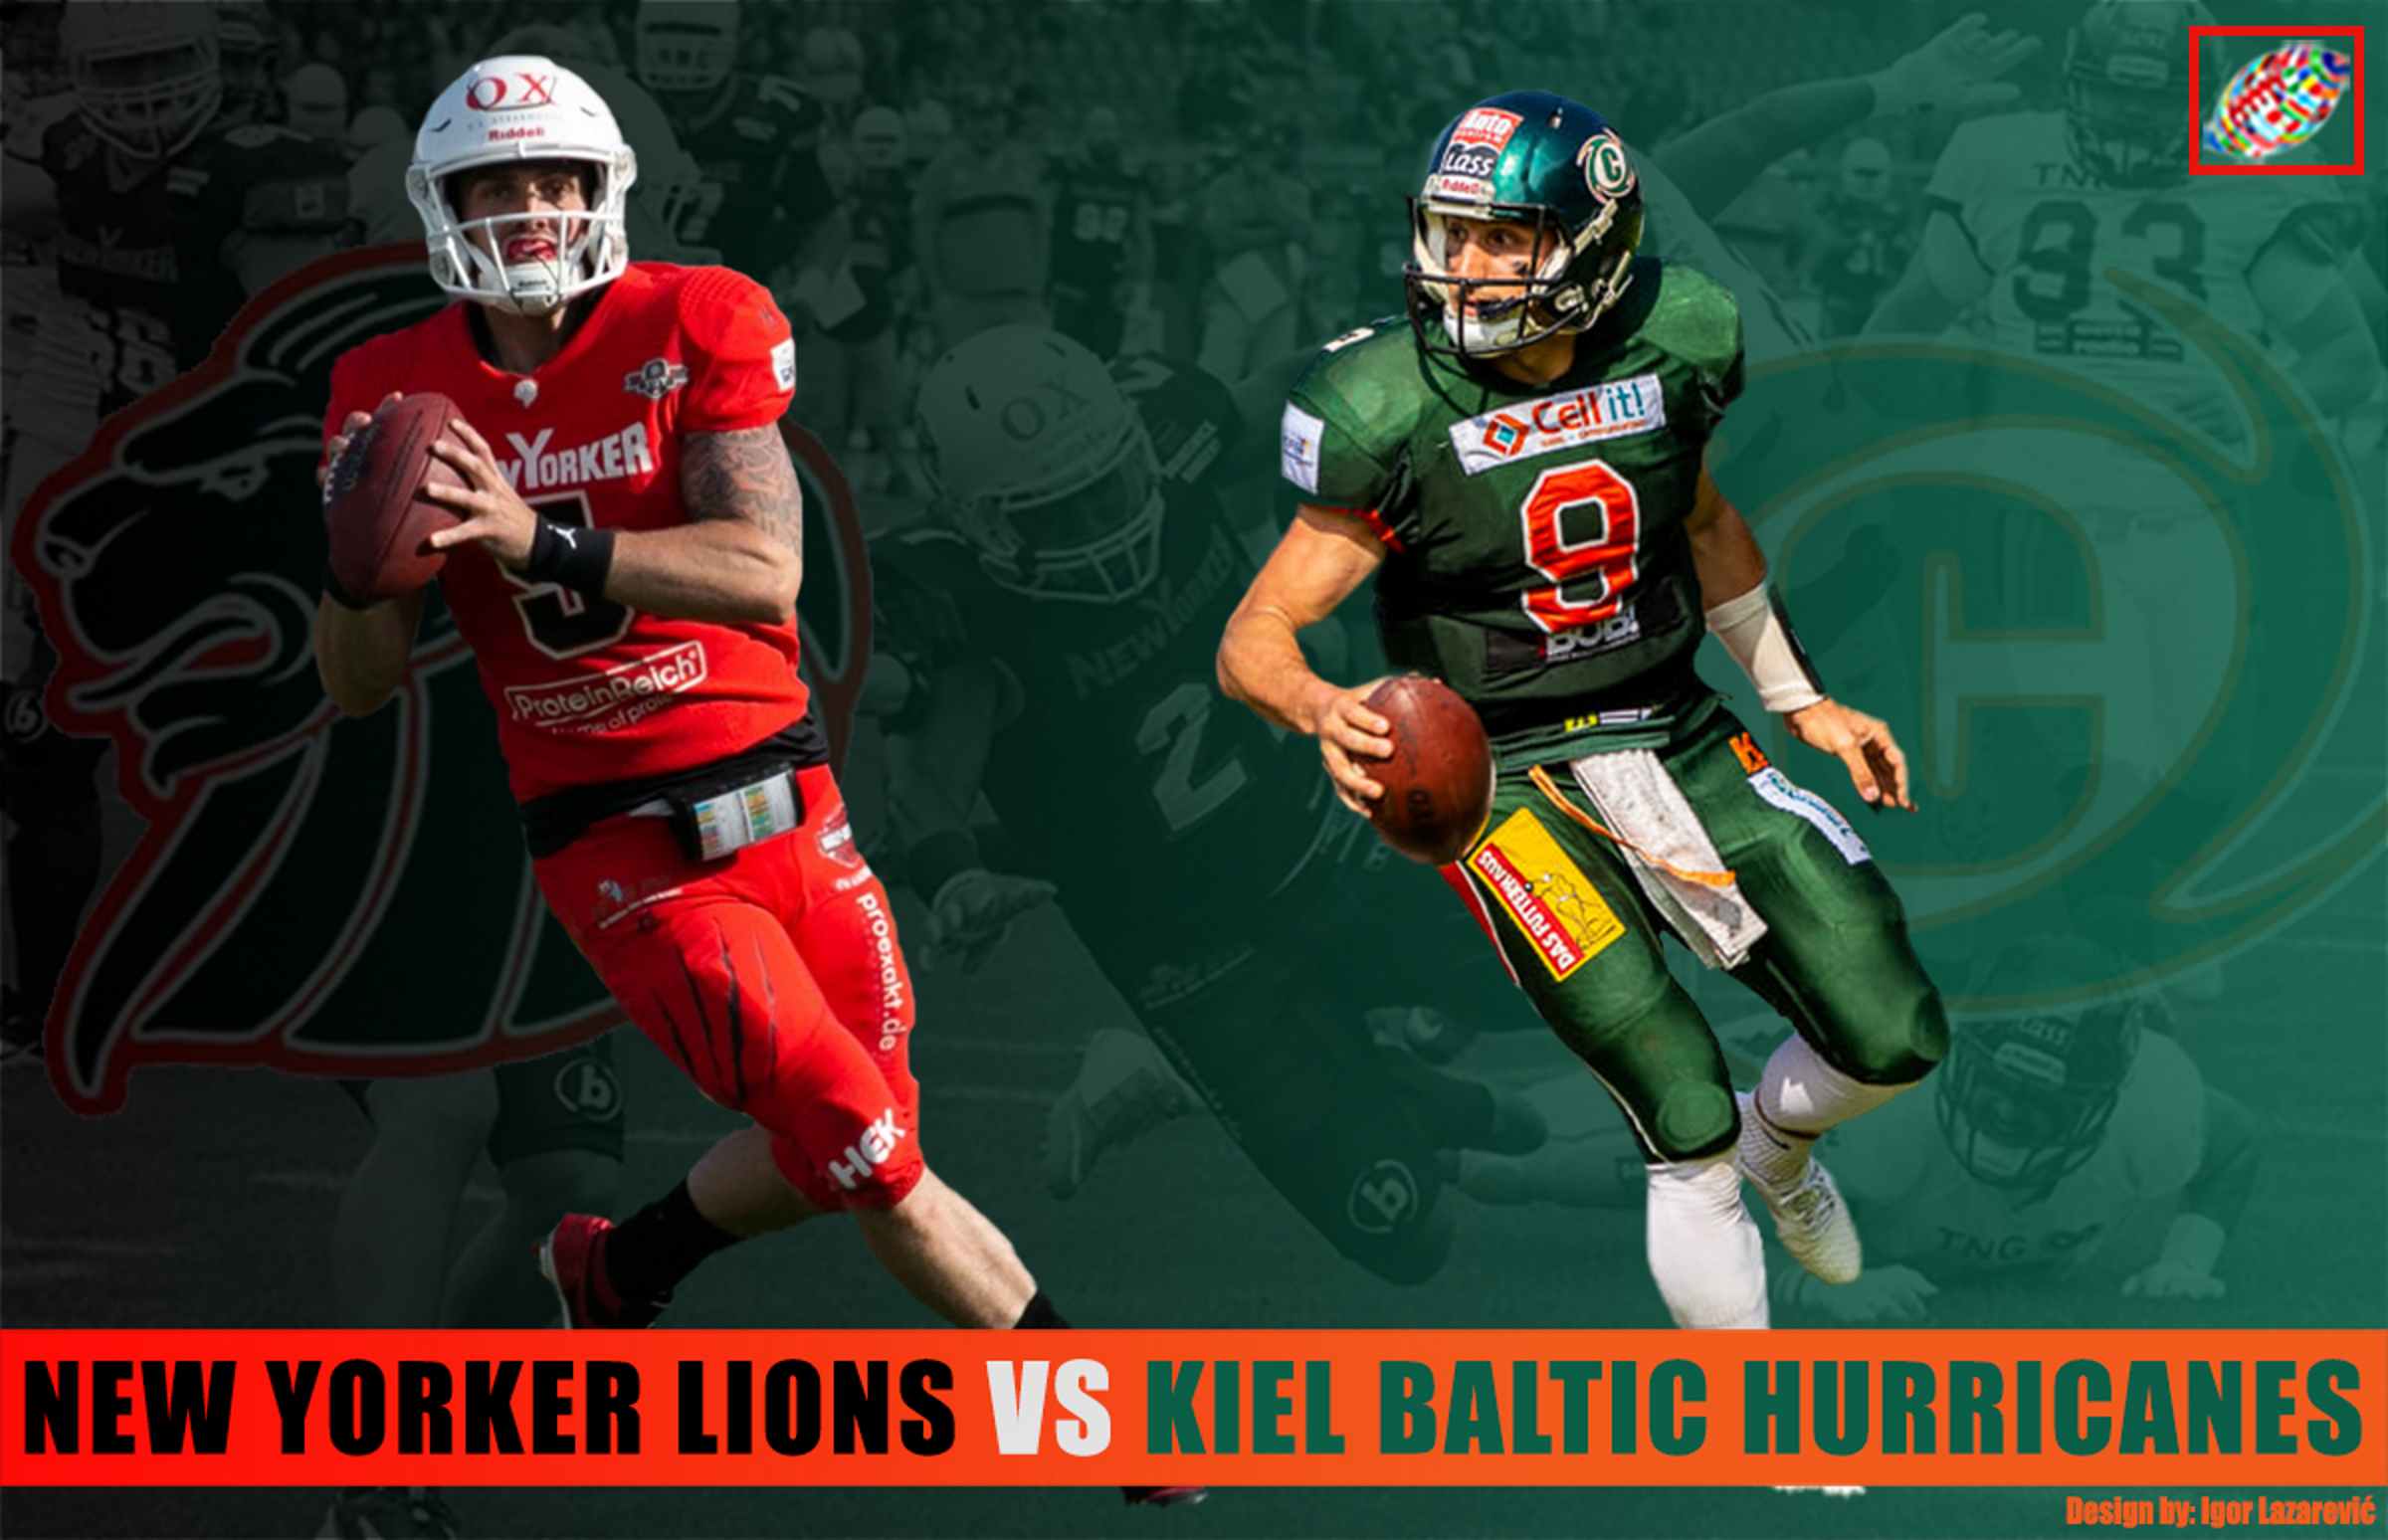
(687, 45)
(1044, 466)
(148, 75)
(518, 107)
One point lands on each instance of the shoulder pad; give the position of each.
(1696, 318)
(1349, 415)
(1363, 349)
(1355, 334)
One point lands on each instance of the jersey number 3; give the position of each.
(1599, 569)
(561, 623)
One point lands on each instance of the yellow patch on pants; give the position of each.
(1529, 874)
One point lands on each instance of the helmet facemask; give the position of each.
(686, 49)
(1554, 297)
(2126, 107)
(2124, 135)
(148, 89)
(1098, 540)
(2023, 1102)
(588, 246)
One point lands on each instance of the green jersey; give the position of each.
(1536, 555)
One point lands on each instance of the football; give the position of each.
(1438, 780)
(2280, 99)
(373, 505)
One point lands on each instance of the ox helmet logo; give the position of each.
(510, 92)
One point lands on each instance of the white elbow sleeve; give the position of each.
(1755, 631)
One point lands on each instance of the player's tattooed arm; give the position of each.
(740, 556)
(744, 476)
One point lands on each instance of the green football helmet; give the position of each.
(1526, 158)
(2126, 90)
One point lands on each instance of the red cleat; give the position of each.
(1163, 1496)
(573, 1258)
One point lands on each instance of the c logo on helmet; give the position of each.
(491, 94)
(1608, 170)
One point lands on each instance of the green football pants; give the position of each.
(1586, 944)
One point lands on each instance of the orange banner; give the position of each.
(2069, 1409)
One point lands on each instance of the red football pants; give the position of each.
(772, 977)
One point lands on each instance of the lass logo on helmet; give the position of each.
(1608, 170)
(1477, 142)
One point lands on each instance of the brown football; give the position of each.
(1438, 780)
(373, 505)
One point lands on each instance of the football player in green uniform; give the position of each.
(1521, 472)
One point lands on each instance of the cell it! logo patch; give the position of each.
(1614, 409)
(2290, 108)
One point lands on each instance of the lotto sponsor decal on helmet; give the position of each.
(1477, 141)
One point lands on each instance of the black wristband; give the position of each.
(337, 592)
(938, 859)
(571, 556)
(1799, 654)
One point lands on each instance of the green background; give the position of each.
(2064, 801)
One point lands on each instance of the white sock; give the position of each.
(1705, 1251)
(1800, 1094)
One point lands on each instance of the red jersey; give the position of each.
(588, 691)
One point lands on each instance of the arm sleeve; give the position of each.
(741, 355)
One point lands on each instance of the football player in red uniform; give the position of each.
(626, 569)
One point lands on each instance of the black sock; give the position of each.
(1040, 1315)
(661, 1244)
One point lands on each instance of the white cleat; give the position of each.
(1810, 1218)
(1123, 1088)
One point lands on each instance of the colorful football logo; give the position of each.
(2279, 100)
